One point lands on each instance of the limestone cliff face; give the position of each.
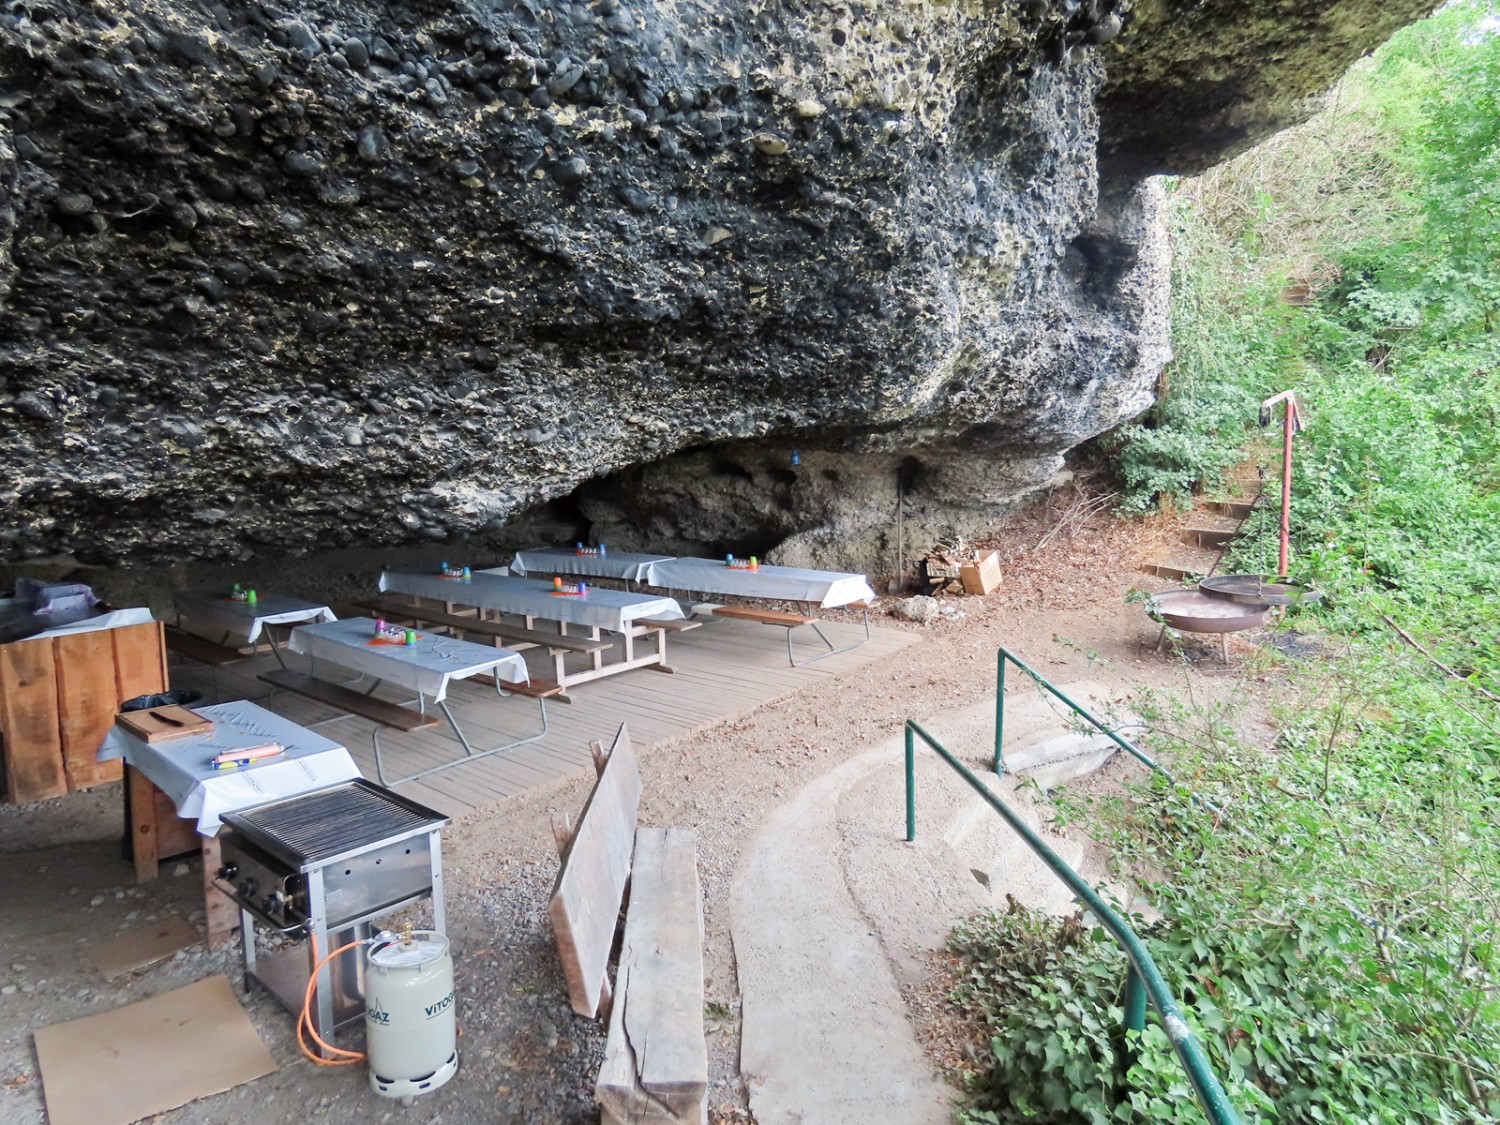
(276, 278)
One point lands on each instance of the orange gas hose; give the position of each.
(349, 1058)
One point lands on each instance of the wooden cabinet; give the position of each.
(58, 697)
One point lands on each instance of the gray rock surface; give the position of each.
(285, 277)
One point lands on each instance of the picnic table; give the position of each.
(173, 784)
(428, 667)
(625, 566)
(826, 589)
(630, 615)
(244, 621)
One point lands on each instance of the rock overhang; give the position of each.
(284, 278)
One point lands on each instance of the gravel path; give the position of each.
(525, 1056)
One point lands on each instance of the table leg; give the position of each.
(220, 913)
(143, 834)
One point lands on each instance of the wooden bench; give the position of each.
(394, 715)
(519, 635)
(201, 649)
(790, 621)
(655, 1069)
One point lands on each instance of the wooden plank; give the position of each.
(655, 1068)
(29, 721)
(87, 704)
(585, 904)
(140, 660)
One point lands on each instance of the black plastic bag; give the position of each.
(162, 699)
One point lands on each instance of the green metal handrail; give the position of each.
(1125, 744)
(1143, 980)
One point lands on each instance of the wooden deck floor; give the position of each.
(724, 669)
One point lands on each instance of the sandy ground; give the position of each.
(525, 1056)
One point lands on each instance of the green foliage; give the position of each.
(1335, 936)
(1333, 939)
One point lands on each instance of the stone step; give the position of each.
(1239, 509)
(1211, 538)
(1182, 562)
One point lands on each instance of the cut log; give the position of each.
(655, 1068)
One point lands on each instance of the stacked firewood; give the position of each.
(941, 567)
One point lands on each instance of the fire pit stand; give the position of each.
(1192, 612)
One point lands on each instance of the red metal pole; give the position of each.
(1289, 409)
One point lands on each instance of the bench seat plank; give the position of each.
(655, 1068)
(668, 624)
(377, 710)
(765, 616)
(201, 649)
(499, 629)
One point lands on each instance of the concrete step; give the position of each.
(1059, 760)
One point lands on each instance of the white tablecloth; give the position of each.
(215, 609)
(826, 588)
(607, 609)
(115, 619)
(180, 767)
(426, 667)
(547, 561)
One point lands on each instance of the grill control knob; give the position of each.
(248, 887)
(273, 903)
(228, 872)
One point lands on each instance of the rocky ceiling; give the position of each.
(276, 278)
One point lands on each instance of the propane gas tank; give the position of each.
(410, 1022)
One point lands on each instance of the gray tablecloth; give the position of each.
(215, 609)
(547, 561)
(426, 667)
(607, 609)
(825, 588)
(180, 767)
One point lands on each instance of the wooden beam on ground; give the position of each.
(585, 905)
(655, 1068)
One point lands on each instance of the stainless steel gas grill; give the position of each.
(322, 866)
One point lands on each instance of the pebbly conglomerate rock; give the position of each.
(276, 278)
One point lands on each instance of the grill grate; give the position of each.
(334, 821)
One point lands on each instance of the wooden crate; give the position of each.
(58, 699)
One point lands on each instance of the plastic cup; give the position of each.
(583, 587)
(411, 636)
(380, 625)
(556, 583)
(251, 598)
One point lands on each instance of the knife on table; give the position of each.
(167, 719)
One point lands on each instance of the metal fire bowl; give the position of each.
(1193, 612)
(1257, 589)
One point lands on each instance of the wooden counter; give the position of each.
(58, 698)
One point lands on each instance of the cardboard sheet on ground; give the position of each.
(149, 1057)
(145, 946)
